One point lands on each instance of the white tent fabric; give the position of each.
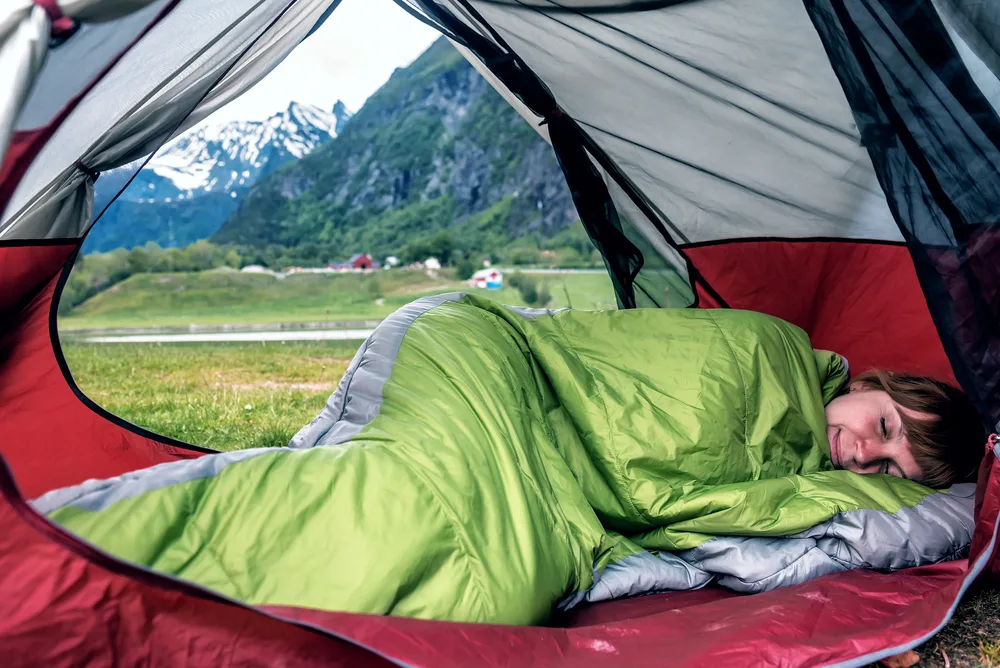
(24, 38)
(195, 59)
(71, 63)
(731, 122)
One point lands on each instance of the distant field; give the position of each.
(221, 396)
(216, 297)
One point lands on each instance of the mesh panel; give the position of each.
(73, 64)
(934, 139)
(664, 279)
(726, 115)
(590, 6)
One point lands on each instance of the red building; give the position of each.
(357, 261)
(361, 261)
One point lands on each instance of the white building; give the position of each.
(256, 269)
(489, 279)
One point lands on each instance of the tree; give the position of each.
(439, 246)
(177, 260)
(442, 247)
(138, 261)
(523, 256)
(516, 280)
(465, 269)
(568, 257)
(415, 251)
(75, 291)
(529, 292)
(203, 255)
(544, 295)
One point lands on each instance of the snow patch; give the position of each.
(214, 157)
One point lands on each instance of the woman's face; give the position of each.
(866, 434)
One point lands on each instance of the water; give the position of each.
(207, 337)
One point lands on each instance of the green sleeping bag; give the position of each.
(482, 463)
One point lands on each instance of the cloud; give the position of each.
(348, 58)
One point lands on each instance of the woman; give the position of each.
(907, 426)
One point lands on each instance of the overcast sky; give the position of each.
(348, 58)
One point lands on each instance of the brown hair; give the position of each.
(949, 448)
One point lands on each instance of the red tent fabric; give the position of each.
(80, 440)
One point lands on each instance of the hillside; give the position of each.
(436, 148)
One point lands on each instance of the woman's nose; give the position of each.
(869, 451)
(862, 448)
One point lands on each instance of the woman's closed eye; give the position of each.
(890, 467)
(885, 429)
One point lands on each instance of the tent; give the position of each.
(832, 162)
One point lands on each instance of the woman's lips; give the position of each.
(835, 449)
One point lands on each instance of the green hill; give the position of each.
(435, 149)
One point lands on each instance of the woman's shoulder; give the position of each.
(752, 322)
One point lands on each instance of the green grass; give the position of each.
(972, 638)
(214, 297)
(590, 292)
(221, 396)
(219, 297)
(989, 652)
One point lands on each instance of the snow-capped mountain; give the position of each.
(187, 189)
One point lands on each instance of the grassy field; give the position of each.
(221, 396)
(230, 396)
(228, 297)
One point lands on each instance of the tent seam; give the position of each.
(561, 521)
(743, 383)
(620, 468)
(462, 538)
